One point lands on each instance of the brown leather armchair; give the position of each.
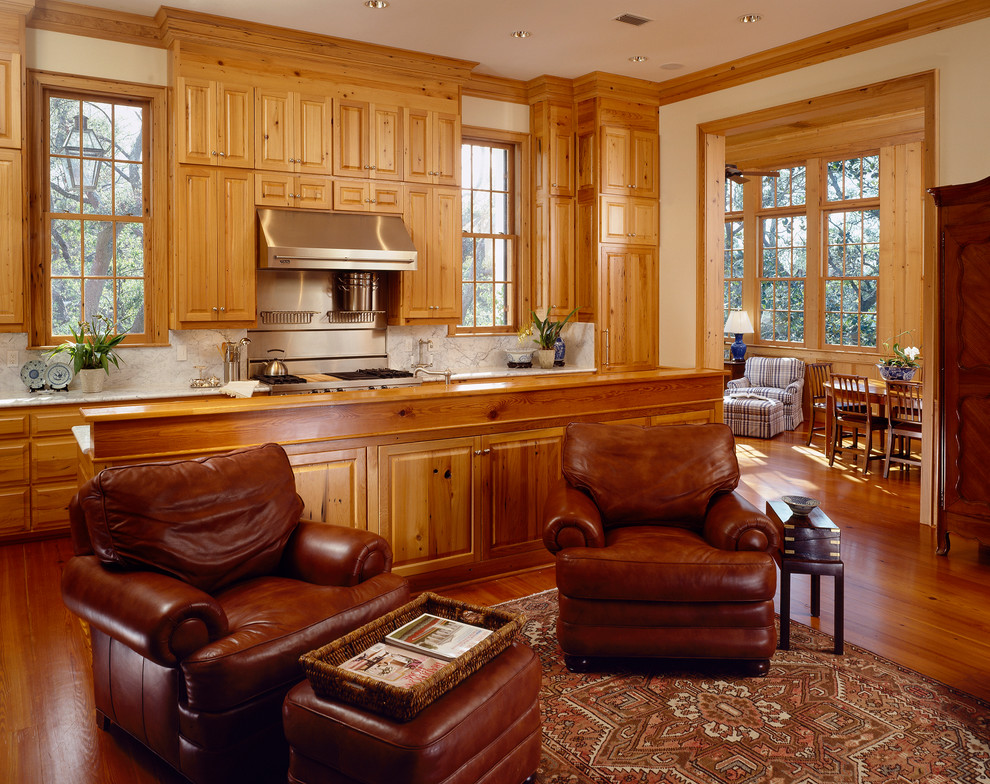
(656, 555)
(202, 588)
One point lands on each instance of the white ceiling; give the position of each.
(570, 38)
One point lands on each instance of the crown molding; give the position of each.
(496, 88)
(901, 25)
(61, 17)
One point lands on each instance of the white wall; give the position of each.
(961, 56)
(485, 113)
(74, 54)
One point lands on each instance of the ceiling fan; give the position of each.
(731, 170)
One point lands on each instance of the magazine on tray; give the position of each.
(397, 666)
(435, 636)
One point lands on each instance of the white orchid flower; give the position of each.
(912, 352)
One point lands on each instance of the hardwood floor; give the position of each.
(924, 611)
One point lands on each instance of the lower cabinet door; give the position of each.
(14, 513)
(50, 506)
(333, 486)
(519, 470)
(427, 503)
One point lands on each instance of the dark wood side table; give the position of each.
(811, 546)
(734, 369)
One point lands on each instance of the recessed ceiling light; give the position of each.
(671, 66)
(750, 18)
(376, 3)
(521, 34)
(638, 59)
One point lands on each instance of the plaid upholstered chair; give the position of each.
(775, 378)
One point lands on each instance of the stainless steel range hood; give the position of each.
(309, 239)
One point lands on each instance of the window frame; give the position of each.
(41, 84)
(518, 144)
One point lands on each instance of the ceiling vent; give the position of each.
(632, 19)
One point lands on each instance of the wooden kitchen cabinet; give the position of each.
(628, 220)
(627, 309)
(367, 140)
(333, 486)
(553, 145)
(10, 99)
(431, 292)
(427, 504)
(554, 255)
(431, 147)
(293, 132)
(15, 473)
(307, 191)
(368, 196)
(215, 238)
(629, 161)
(214, 123)
(12, 289)
(518, 470)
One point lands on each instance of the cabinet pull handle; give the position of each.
(606, 347)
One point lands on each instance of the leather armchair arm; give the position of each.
(571, 519)
(733, 523)
(335, 555)
(157, 616)
(739, 383)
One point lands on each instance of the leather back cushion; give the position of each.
(208, 522)
(667, 473)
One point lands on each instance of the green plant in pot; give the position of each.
(545, 332)
(93, 350)
(903, 364)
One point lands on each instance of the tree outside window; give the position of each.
(489, 243)
(96, 215)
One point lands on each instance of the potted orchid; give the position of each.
(902, 364)
(93, 348)
(544, 332)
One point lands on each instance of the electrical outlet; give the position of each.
(180, 353)
(12, 360)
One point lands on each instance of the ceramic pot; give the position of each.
(544, 357)
(559, 351)
(92, 380)
(895, 373)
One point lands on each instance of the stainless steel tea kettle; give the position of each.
(275, 366)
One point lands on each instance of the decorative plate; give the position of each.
(58, 375)
(33, 374)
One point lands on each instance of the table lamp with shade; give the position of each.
(737, 323)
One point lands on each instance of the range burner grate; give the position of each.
(371, 373)
(275, 380)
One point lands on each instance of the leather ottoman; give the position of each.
(484, 730)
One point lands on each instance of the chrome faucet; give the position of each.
(445, 373)
(420, 363)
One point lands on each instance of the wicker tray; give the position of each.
(331, 682)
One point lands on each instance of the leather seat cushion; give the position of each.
(489, 719)
(664, 564)
(272, 621)
(619, 467)
(210, 522)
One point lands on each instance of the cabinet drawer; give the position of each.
(13, 425)
(55, 422)
(13, 511)
(808, 542)
(53, 458)
(50, 506)
(14, 463)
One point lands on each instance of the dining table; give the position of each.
(877, 392)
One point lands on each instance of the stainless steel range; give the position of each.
(324, 347)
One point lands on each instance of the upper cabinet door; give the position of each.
(350, 131)
(10, 99)
(615, 160)
(273, 141)
(418, 140)
(446, 149)
(643, 165)
(196, 125)
(386, 142)
(432, 147)
(312, 134)
(561, 151)
(11, 239)
(236, 129)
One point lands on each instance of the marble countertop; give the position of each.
(122, 395)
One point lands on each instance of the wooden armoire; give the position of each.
(964, 367)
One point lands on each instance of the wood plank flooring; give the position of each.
(918, 609)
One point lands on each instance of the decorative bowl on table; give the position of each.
(519, 359)
(800, 504)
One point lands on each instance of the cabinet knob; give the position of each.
(223, 310)
(213, 152)
(215, 308)
(372, 167)
(553, 185)
(292, 160)
(222, 154)
(373, 201)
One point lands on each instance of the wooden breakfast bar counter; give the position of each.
(454, 477)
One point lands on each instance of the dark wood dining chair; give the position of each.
(818, 374)
(852, 413)
(904, 422)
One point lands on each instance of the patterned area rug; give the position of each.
(815, 719)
